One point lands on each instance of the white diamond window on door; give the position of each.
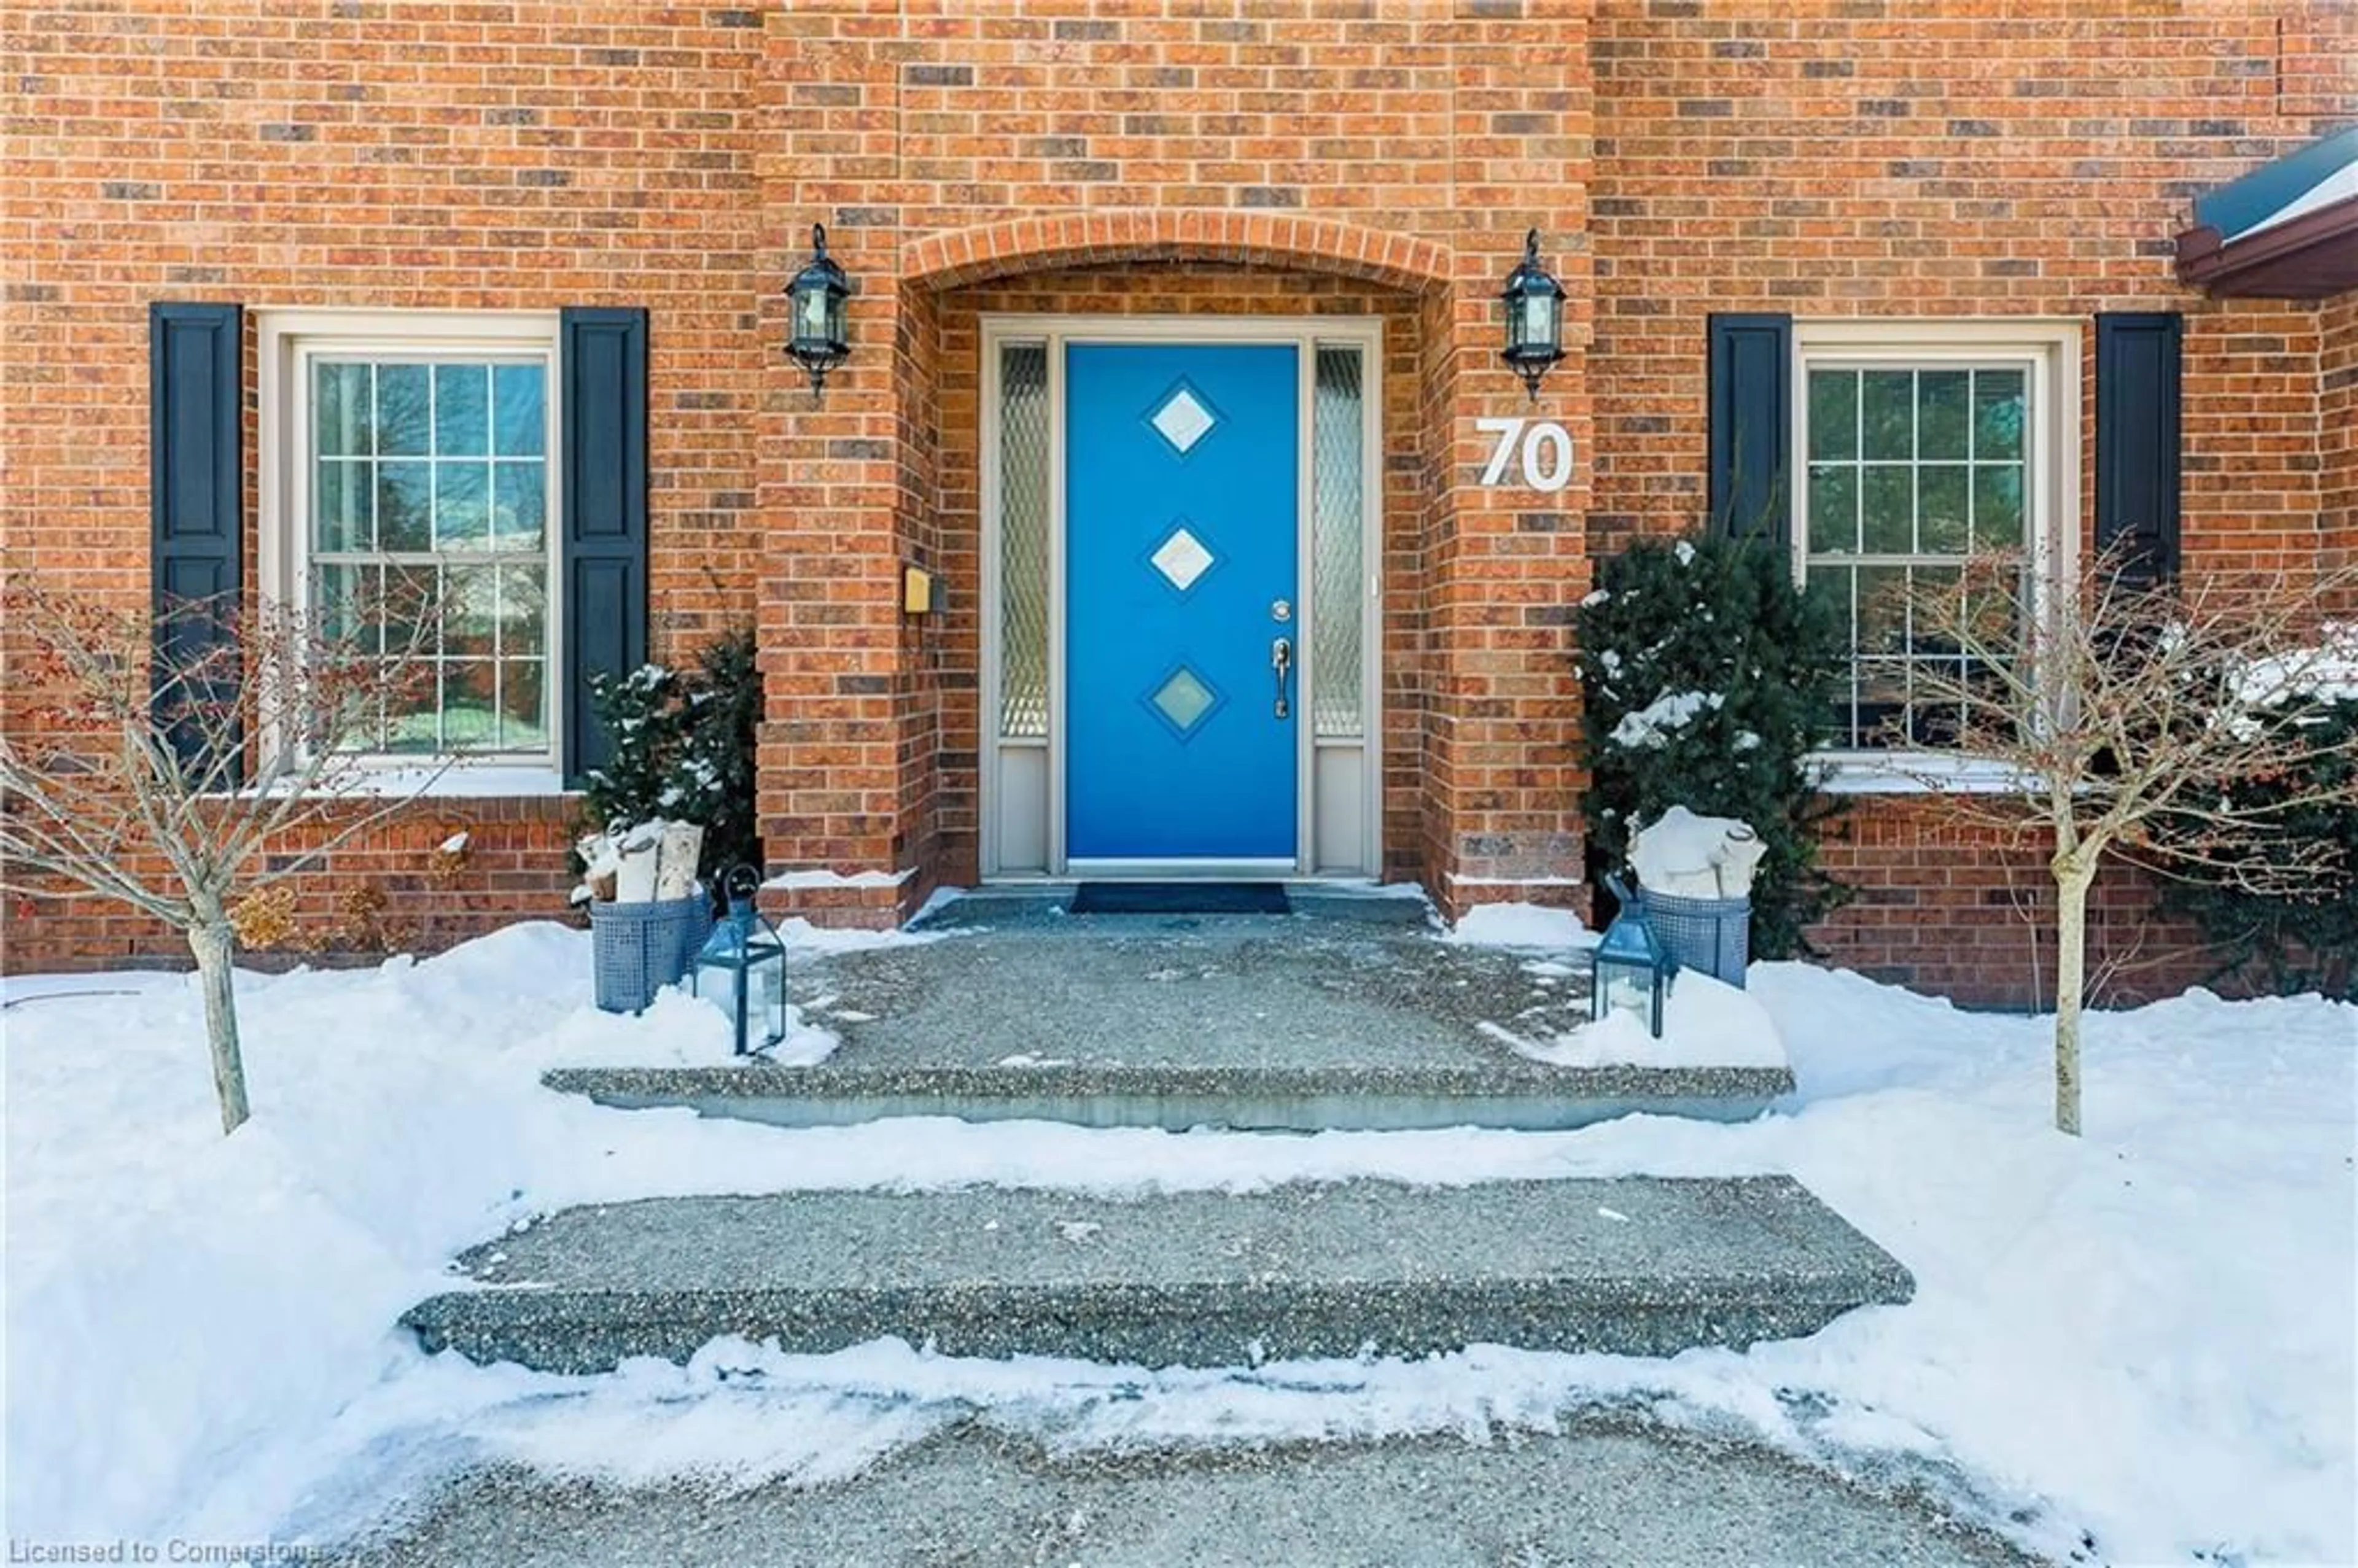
(1182, 420)
(1183, 701)
(1182, 558)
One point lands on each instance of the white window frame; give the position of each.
(290, 338)
(2048, 350)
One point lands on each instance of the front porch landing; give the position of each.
(1350, 1012)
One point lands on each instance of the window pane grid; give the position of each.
(430, 488)
(1908, 472)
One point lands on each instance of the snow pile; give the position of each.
(183, 1308)
(2326, 673)
(1705, 1023)
(2144, 1335)
(679, 1030)
(803, 937)
(828, 877)
(1651, 727)
(1520, 925)
(1687, 856)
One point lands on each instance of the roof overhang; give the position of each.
(2287, 230)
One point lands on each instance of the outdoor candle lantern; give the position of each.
(1630, 969)
(742, 967)
(1534, 302)
(815, 299)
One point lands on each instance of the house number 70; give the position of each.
(1545, 446)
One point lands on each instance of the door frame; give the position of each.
(1056, 332)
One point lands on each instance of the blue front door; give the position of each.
(1180, 517)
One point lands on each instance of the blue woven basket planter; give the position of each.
(636, 949)
(1713, 934)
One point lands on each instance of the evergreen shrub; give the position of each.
(683, 750)
(2291, 942)
(1709, 678)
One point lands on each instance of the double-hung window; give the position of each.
(415, 470)
(1920, 447)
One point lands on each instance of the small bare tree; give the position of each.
(157, 756)
(2121, 724)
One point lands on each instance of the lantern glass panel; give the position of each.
(742, 970)
(811, 319)
(1629, 970)
(1540, 321)
(1625, 990)
(764, 1000)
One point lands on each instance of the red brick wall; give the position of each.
(2337, 431)
(1828, 157)
(1967, 912)
(391, 889)
(1846, 158)
(975, 144)
(1832, 162)
(306, 152)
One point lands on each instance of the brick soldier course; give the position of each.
(1834, 160)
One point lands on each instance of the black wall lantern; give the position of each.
(815, 299)
(1534, 317)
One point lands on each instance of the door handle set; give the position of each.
(1281, 661)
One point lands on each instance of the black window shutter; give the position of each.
(1751, 417)
(196, 487)
(2137, 440)
(603, 416)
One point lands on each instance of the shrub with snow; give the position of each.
(2293, 938)
(683, 752)
(1709, 678)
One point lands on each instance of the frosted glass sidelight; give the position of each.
(1338, 467)
(1023, 541)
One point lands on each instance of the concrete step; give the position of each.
(1634, 1266)
(1298, 1023)
(1499, 1091)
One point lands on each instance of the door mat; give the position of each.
(1180, 898)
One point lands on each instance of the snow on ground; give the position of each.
(2144, 1335)
(1706, 1022)
(677, 1030)
(1520, 925)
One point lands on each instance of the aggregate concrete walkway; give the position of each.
(1350, 1015)
(1635, 1266)
(1589, 1497)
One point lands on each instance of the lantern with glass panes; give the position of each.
(741, 968)
(1534, 309)
(816, 301)
(1630, 970)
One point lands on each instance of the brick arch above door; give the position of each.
(959, 257)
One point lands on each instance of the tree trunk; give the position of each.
(212, 941)
(2072, 883)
